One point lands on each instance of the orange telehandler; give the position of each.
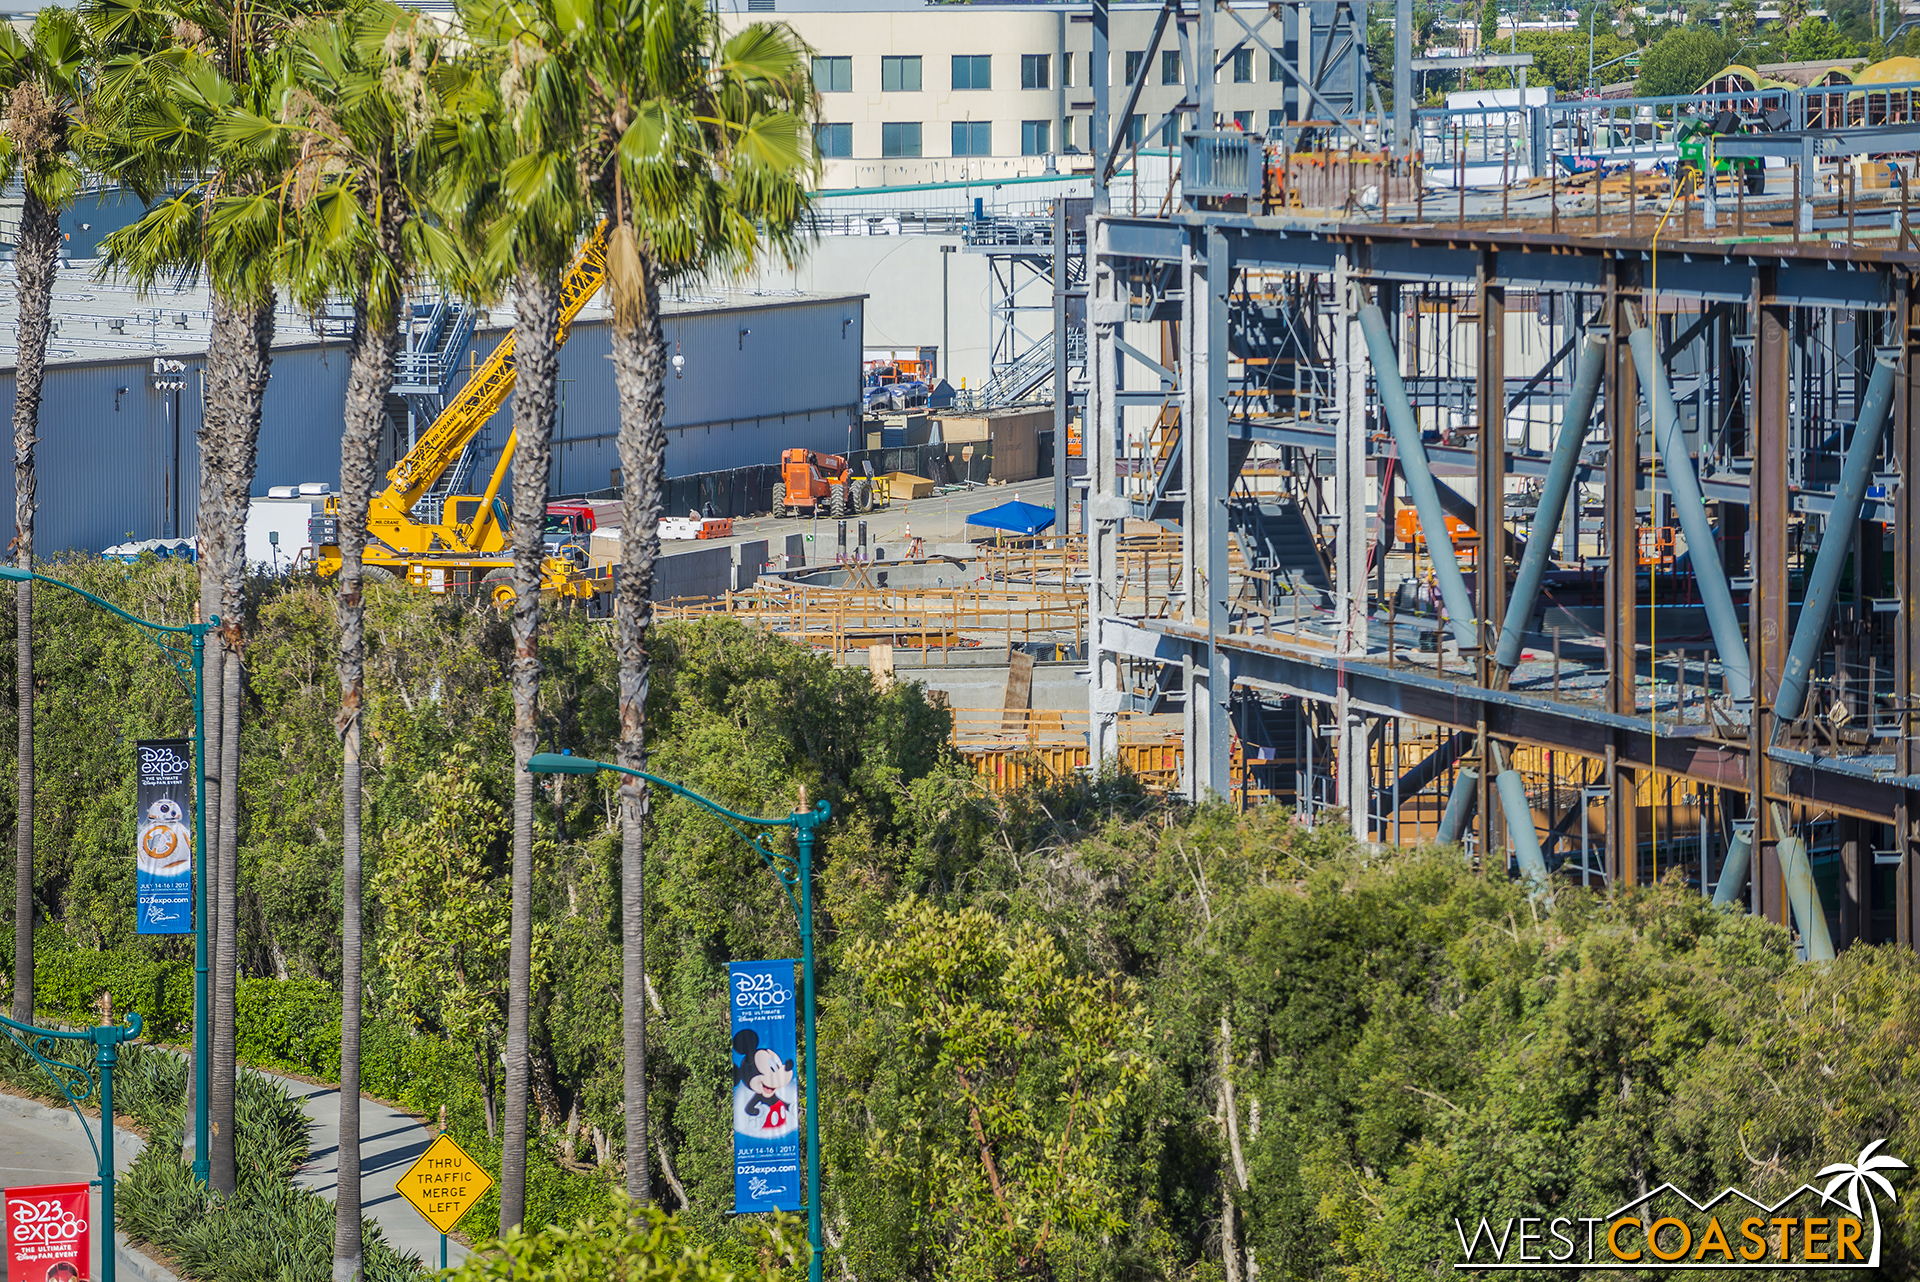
(807, 477)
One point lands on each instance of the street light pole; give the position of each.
(196, 638)
(800, 879)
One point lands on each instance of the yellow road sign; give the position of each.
(444, 1184)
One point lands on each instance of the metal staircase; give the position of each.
(427, 375)
(1027, 377)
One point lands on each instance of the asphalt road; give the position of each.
(42, 1145)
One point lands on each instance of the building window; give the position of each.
(1066, 134)
(899, 75)
(1243, 66)
(900, 139)
(833, 75)
(972, 71)
(1243, 120)
(1136, 129)
(1170, 132)
(1134, 59)
(1169, 66)
(1033, 70)
(1034, 137)
(1276, 120)
(1273, 69)
(1066, 70)
(833, 141)
(973, 138)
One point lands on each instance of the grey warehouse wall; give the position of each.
(106, 461)
(106, 456)
(791, 379)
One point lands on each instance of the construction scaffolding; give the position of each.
(1603, 465)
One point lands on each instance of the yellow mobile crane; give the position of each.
(467, 547)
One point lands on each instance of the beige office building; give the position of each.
(917, 93)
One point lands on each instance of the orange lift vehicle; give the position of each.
(463, 545)
(810, 481)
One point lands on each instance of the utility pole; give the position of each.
(946, 349)
(1403, 77)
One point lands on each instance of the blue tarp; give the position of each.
(1018, 517)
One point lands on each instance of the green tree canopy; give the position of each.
(1816, 40)
(1681, 61)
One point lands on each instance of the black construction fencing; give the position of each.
(748, 491)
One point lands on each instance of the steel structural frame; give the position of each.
(1772, 284)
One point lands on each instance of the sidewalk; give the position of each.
(389, 1142)
(44, 1145)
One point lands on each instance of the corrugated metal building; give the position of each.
(118, 459)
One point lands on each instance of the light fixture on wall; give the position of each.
(744, 331)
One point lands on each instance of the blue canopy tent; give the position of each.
(1015, 517)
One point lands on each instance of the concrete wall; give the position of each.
(708, 570)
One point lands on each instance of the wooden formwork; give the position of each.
(925, 619)
(1013, 747)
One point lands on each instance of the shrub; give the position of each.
(617, 1240)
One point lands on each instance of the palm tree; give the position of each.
(1739, 17)
(179, 114)
(42, 78)
(512, 187)
(363, 104)
(1857, 1176)
(697, 145)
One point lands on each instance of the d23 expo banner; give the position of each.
(766, 1094)
(163, 882)
(49, 1233)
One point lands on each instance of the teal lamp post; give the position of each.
(186, 645)
(794, 876)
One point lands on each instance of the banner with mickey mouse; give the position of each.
(163, 880)
(766, 1091)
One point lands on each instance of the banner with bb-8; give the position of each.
(163, 852)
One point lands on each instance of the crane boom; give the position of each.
(487, 390)
(463, 546)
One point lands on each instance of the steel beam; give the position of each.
(1102, 439)
(1419, 477)
(1203, 421)
(1351, 538)
(1622, 592)
(1703, 550)
(1553, 498)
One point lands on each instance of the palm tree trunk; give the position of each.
(639, 370)
(239, 361)
(35, 257)
(536, 354)
(206, 841)
(369, 377)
